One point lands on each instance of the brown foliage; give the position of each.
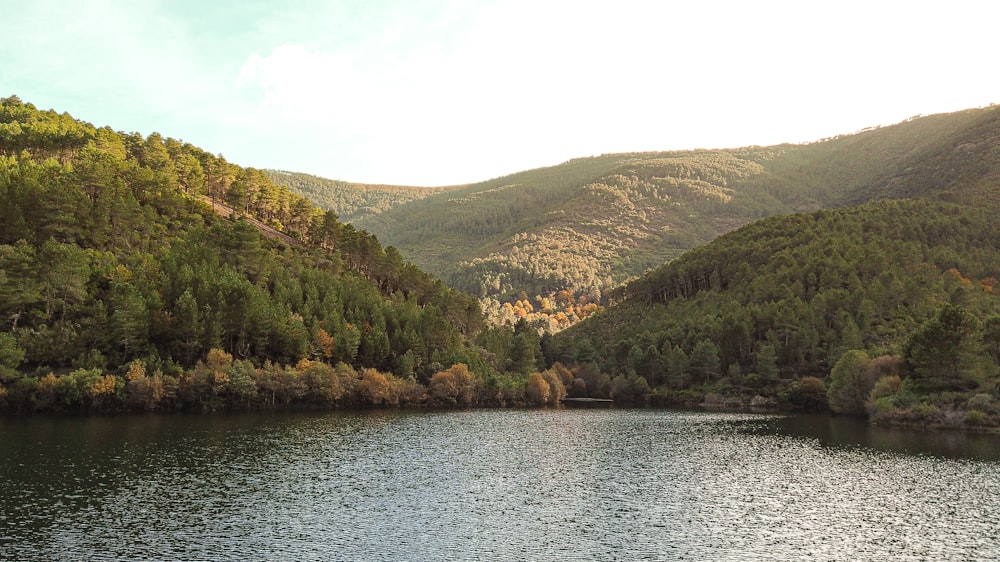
(537, 389)
(324, 343)
(375, 389)
(557, 389)
(565, 375)
(452, 386)
(410, 392)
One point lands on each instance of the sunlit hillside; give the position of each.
(589, 224)
(350, 200)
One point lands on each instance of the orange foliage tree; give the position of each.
(452, 386)
(537, 389)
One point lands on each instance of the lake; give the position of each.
(566, 484)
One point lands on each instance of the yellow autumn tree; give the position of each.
(452, 386)
(537, 389)
(375, 388)
(141, 390)
(324, 342)
(136, 371)
(48, 390)
(218, 362)
(104, 386)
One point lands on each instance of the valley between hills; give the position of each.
(854, 274)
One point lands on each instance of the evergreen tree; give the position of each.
(940, 353)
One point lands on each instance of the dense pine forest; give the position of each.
(888, 308)
(855, 274)
(123, 288)
(885, 309)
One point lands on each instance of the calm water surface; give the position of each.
(493, 484)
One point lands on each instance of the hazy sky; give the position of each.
(439, 92)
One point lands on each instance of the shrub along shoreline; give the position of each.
(858, 386)
(222, 383)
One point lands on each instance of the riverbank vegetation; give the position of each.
(222, 383)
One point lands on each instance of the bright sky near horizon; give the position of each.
(442, 92)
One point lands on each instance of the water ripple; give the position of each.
(527, 485)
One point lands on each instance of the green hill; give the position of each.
(590, 224)
(585, 225)
(349, 200)
(124, 286)
(760, 310)
(887, 307)
(923, 156)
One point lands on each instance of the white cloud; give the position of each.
(446, 91)
(296, 81)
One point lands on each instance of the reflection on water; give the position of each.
(847, 432)
(492, 484)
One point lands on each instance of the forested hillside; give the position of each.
(125, 285)
(122, 289)
(582, 227)
(827, 304)
(587, 225)
(952, 156)
(349, 200)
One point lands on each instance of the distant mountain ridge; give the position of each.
(589, 224)
(349, 200)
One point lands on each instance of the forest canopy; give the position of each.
(907, 284)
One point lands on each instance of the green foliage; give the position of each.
(119, 251)
(975, 417)
(851, 382)
(703, 364)
(782, 297)
(886, 386)
(349, 200)
(941, 351)
(572, 226)
(525, 350)
(808, 393)
(766, 363)
(629, 389)
(589, 224)
(991, 337)
(11, 353)
(982, 402)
